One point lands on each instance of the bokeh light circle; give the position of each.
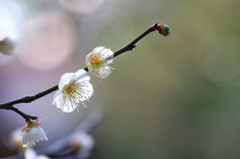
(217, 58)
(47, 41)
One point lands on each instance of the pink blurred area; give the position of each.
(49, 45)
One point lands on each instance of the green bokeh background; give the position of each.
(175, 97)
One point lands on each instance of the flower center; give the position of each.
(94, 60)
(70, 89)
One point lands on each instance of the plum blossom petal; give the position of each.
(31, 154)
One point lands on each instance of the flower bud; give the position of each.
(163, 29)
(8, 45)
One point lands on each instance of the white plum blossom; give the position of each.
(31, 154)
(74, 88)
(82, 141)
(32, 133)
(97, 61)
(16, 138)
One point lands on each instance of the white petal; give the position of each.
(64, 104)
(88, 57)
(68, 107)
(30, 154)
(65, 79)
(101, 72)
(34, 135)
(108, 55)
(40, 134)
(81, 75)
(57, 99)
(87, 90)
(42, 157)
(27, 140)
(98, 49)
(105, 71)
(63, 101)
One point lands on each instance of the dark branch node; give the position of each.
(29, 99)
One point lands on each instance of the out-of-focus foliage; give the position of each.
(175, 97)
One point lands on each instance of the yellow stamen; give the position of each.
(94, 60)
(70, 89)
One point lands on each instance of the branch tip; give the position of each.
(162, 29)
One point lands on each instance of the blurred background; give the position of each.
(175, 97)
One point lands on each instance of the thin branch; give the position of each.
(132, 45)
(161, 28)
(28, 99)
(25, 116)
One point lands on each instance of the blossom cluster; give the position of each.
(74, 90)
